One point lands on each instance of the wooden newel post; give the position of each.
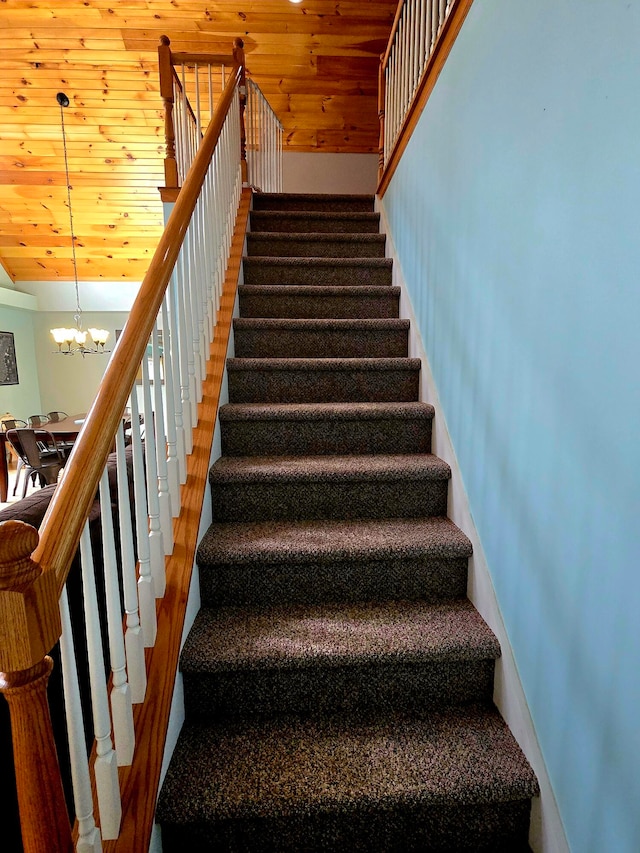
(238, 56)
(381, 100)
(165, 66)
(29, 628)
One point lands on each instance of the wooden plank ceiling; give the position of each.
(316, 62)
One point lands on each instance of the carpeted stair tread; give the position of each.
(283, 429)
(322, 411)
(323, 380)
(253, 488)
(314, 222)
(308, 301)
(328, 365)
(306, 338)
(312, 469)
(293, 767)
(312, 541)
(332, 202)
(325, 658)
(340, 635)
(317, 271)
(318, 245)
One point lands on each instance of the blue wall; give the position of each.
(516, 216)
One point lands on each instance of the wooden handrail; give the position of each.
(450, 29)
(34, 567)
(63, 522)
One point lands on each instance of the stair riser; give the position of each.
(321, 343)
(304, 202)
(393, 828)
(267, 247)
(325, 437)
(410, 687)
(254, 302)
(323, 386)
(368, 272)
(272, 500)
(333, 581)
(265, 220)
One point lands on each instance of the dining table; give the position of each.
(65, 430)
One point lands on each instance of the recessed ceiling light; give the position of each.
(295, 1)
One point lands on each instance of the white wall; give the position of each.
(318, 172)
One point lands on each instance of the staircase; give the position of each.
(338, 683)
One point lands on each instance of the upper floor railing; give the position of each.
(115, 549)
(190, 85)
(422, 35)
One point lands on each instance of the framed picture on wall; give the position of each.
(8, 365)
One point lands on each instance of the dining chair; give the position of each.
(40, 456)
(37, 420)
(12, 423)
(54, 417)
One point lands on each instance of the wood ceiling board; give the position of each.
(317, 64)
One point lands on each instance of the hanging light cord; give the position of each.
(61, 101)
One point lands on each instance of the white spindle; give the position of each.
(121, 708)
(170, 302)
(422, 47)
(164, 498)
(173, 465)
(105, 768)
(133, 638)
(156, 545)
(441, 14)
(88, 833)
(146, 587)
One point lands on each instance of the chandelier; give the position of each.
(72, 341)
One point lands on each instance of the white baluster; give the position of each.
(422, 46)
(146, 587)
(173, 470)
(133, 638)
(183, 345)
(105, 769)
(156, 545)
(164, 498)
(88, 833)
(175, 382)
(441, 14)
(121, 708)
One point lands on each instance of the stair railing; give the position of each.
(422, 35)
(190, 84)
(145, 407)
(264, 142)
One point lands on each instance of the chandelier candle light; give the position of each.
(72, 341)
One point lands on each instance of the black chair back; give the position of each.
(12, 423)
(38, 420)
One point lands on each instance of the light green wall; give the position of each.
(22, 399)
(69, 383)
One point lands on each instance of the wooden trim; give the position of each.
(392, 35)
(43, 812)
(436, 62)
(169, 194)
(203, 59)
(63, 522)
(140, 782)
